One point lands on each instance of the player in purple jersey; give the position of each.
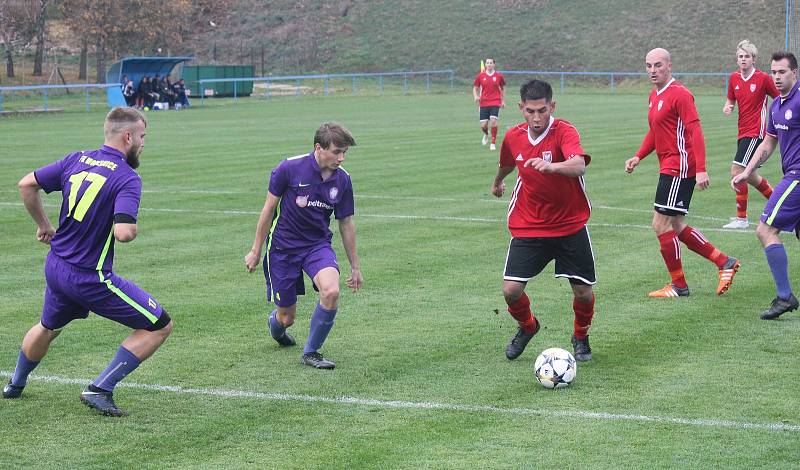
(303, 193)
(782, 212)
(100, 203)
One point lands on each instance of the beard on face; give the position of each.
(132, 157)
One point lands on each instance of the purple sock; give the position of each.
(321, 324)
(24, 367)
(275, 328)
(779, 265)
(124, 363)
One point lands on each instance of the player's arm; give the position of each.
(252, 258)
(647, 147)
(29, 192)
(728, 107)
(574, 167)
(761, 155)
(498, 186)
(476, 95)
(347, 229)
(124, 228)
(502, 96)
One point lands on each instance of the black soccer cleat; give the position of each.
(102, 402)
(316, 360)
(519, 341)
(780, 306)
(583, 352)
(12, 391)
(285, 339)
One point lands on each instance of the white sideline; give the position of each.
(413, 405)
(426, 217)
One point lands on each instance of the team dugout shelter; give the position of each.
(135, 68)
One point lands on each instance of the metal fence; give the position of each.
(612, 77)
(27, 94)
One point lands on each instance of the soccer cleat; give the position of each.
(726, 274)
(316, 360)
(285, 339)
(583, 352)
(102, 402)
(492, 147)
(669, 290)
(12, 391)
(485, 139)
(519, 341)
(780, 306)
(737, 223)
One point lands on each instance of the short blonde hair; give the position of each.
(748, 47)
(119, 120)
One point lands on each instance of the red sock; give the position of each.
(521, 311)
(671, 252)
(583, 317)
(741, 200)
(764, 188)
(494, 134)
(696, 242)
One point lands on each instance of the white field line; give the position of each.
(414, 405)
(414, 217)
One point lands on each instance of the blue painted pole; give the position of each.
(380, 83)
(1, 101)
(405, 84)
(562, 83)
(326, 86)
(235, 98)
(612, 83)
(45, 99)
(788, 13)
(202, 94)
(427, 82)
(87, 99)
(297, 87)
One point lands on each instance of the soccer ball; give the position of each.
(555, 368)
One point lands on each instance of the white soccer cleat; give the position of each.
(737, 223)
(492, 147)
(485, 139)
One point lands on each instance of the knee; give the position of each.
(512, 293)
(167, 330)
(286, 320)
(584, 296)
(329, 295)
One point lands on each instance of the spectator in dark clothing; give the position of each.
(180, 93)
(129, 92)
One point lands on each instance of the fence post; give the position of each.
(427, 82)
(451, 80)
(202, 93)
(380, 83)
(45, 99)
(87, 99)
(405, 83)
(297, 87)
(234, 91)
(612, 83)
(562, 82)
(267, 96)
(1, 101)
(354, 84)
(326, 86)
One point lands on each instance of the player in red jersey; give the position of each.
(749, 87)
(488, 90)
(676, 136)
(547, 215)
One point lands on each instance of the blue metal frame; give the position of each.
(45, 90)
(562, 75)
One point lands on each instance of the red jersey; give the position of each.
(490, 86)
(751, 94)
(545, 205)
(675, 133)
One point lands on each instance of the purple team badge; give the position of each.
(547, 156)
(333, 192)
(788, 114)
(301, 201)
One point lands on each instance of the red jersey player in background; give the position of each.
(749, 87)
(488, 90)
(547, 215)
(676, 136)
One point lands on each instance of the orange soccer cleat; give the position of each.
(669, 291)
(726, 275)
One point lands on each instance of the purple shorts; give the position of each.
(783, 208)
(284, 272)
(72, 292)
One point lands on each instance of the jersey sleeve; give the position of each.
(571, 144)
(127, 200)
(648, 145)
(49, 176)
(731, 96)
(279, 179)
(477, 81)
(502, 81)
(346, 206)
(506, 157)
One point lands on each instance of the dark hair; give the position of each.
(333, 133)
(536, 90)
(776, 56)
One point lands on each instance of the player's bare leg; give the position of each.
(327, 281)
(143, 343)
(34, 347)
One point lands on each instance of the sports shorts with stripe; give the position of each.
(745, 149)
(72, 292)
(783, 207)
(284, 271)
(573, 254)
(673, 195)
(488, 112)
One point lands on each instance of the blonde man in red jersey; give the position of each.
(750, 88)
(547, 215)
(488, 90)
(676, 136)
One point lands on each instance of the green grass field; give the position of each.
(698, 382)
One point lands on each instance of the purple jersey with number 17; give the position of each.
(96, 185)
